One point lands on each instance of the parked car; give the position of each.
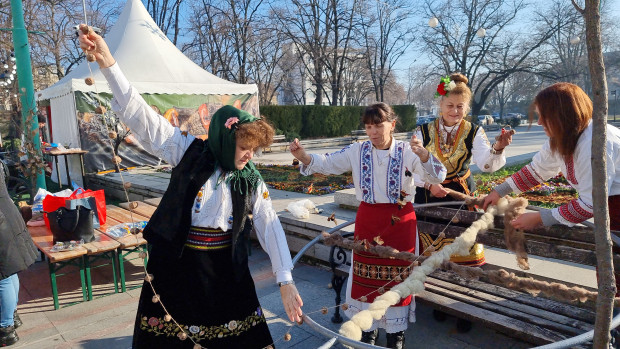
(421, 120)
(485, 119)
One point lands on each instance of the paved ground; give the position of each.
(107, 321)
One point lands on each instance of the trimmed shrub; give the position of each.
(318, 121)
(285, 118)
(407, 116)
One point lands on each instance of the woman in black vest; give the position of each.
(455, 142)
(198, 233)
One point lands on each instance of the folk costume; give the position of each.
(455, 146)
(199, 232)
(384, 185)
(578, 172)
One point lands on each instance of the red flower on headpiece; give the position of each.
(441, 89)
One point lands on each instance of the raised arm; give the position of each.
(153, 131)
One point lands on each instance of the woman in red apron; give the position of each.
(382, 169)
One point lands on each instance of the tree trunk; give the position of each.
(606, 284)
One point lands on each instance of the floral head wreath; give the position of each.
(445, 86)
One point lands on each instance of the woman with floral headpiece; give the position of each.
(456, 142)
(198, 233)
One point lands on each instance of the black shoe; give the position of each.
(463, 326)
(439, 316)
(396, 340)
(8, 336)
(369, 336)
(17, 321)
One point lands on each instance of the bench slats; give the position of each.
(575, 312)
(512, 327)
(508, 307)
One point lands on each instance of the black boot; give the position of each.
(396, 340)
(8, 336)
(17, 321)
(369, 336)
(463, 326)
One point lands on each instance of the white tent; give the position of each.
(151, 63)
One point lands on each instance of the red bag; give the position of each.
(52, 203)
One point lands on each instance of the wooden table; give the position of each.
(81, 257)
(56, 153)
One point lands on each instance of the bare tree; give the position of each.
(208, 48)
(308, 24)
(386, 35)
(226, 28)
(338, 54)
(55, 49)
(421, 87)
(473, 39)
(166, 13)
(356, 82)
(604, 256)
(267, 56)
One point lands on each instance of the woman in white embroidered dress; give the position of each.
(207, 290)
(383, 169)
(565, 113)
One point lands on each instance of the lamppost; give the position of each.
(615, 94)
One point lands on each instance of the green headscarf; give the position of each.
(222, 143)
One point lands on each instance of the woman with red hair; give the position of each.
(565, 113)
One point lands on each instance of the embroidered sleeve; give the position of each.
(271, 234)
(153, 131)
(482, 155)
(435, 169)
(573, 212)
(543, 166)
(332, 163)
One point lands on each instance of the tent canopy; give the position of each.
(150, 61)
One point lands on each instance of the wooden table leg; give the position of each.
(57, 171)
(68, 175)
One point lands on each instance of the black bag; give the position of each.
(67, 225)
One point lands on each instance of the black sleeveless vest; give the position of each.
(170, 223)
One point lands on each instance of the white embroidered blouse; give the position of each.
(213, 205)
(379, 175)
(578, 173)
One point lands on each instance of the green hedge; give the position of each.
(317, 121)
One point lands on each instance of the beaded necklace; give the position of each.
(447, 144)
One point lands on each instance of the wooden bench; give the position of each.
(279, 143)
(537, 320)
(357, 134)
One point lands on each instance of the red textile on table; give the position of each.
(370, 272)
